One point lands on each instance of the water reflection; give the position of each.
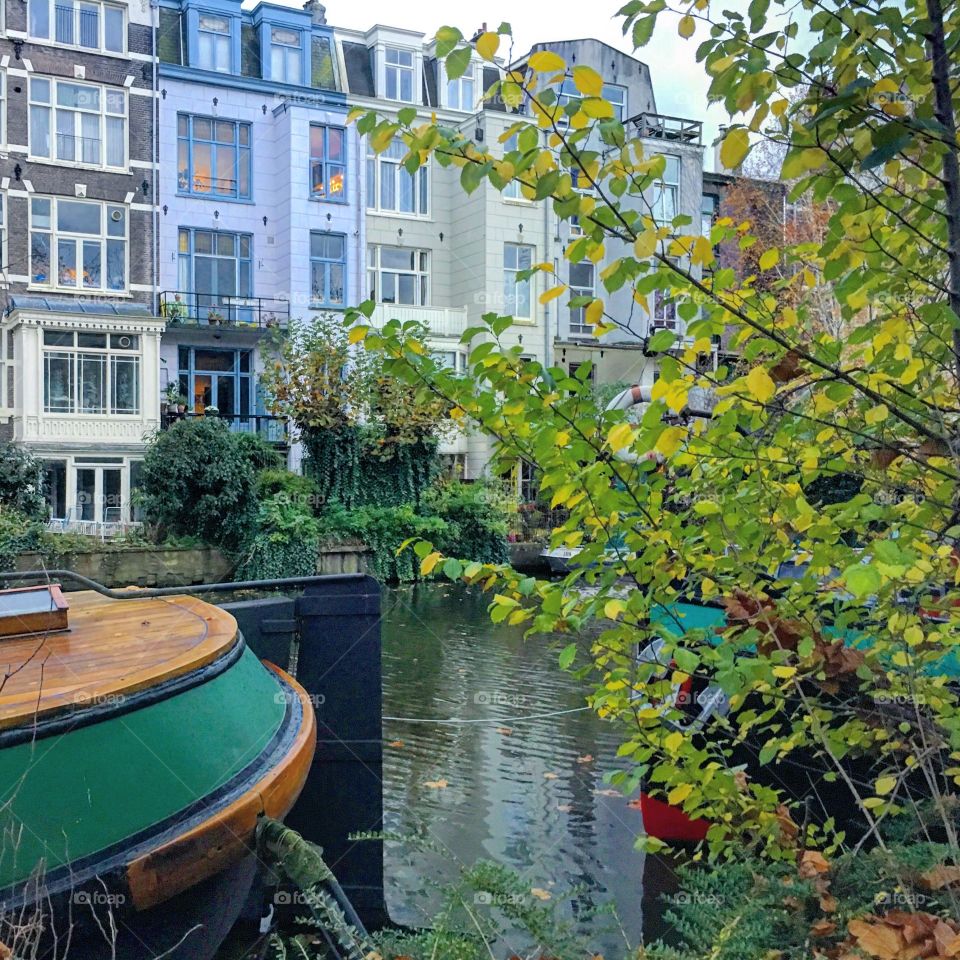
(525, 793)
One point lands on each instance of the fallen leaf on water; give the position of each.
(564, 807)
(440, 784)
(607, 793)
(540, 893)
(586, 758)
(549, 776)
(506, 731)
(635, 804)
(395, 743)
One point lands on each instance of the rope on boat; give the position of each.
(458, 720)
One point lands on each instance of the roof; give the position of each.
(356, 60)
(94, 307)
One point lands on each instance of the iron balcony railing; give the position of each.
(272, 429)
(659, 126)
(216, 309)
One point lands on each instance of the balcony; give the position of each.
(273, 429)
(180, 308)
(658, 126)
(440, 321)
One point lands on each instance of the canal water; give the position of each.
(526, 793)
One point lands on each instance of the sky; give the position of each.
(679, 82)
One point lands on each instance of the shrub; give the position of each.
(18, 534)
(477, 517)
(198, 480)
(383, 530)
(292, 486)
(283, 543)
(261, 454)
(21, 481)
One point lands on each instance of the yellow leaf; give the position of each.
(734, 148)
(620, 436)
(877, 414)
(487, 45)
(769, 258)
(563, 438)
(613, 608)
(679, 793)
(428, 563)
(702, 251)
(784, 672)
(707, 586)
(760, 385)
(540, 893)
(669, 441)
(884, 785)
(357, 334)
(544, 61)
(672, 742)
(646, 244)
(597, 108)
(552, 293)
(588, 81)
(594, 312)
(687, 26)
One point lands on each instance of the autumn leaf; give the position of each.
(812, 864)
(440, 784)
(395, 743)
(540, 893)
(940, 876)
(876, 939)
(506, 731)
(549, 776)
(586, 758)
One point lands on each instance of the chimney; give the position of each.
(479, 33)
(317, 11)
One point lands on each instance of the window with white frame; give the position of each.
(91, 373)
(87, 24)
(461, 93)
(398, 74)
(611, 92)
(78, 244)
(328, 267)
(213, 43)
(3, 233)
(512, 191)
(582, 284)
(391, 188)
(3, 106)
(286, 57)
(328, 150)
(664, 306)
(665, 203)
(516, 292)
(452, 360)
(399, 275)
(78, 123)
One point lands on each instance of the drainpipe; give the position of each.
(155, 173)
(547, 339)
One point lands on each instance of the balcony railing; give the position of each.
(440, 321)
(272, 429)
(658, 126)
(214, 310)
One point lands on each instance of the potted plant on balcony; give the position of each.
(211, 411)
(214, 317)
(175, 311)
(181, 403)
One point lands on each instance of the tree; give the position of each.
(844, 664)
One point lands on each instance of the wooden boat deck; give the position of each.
(111, 649)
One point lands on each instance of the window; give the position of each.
(218, 378)
(617, 97)
(323, 66)
(664, 307)
(213, 43)
(512, 190)
(78, 123)
(213, 157)
(581, 285)
(709, 208)
(85, 240)
(398, 74)
(452, 360)
(390, 187)
(79, 23)
(285, 56)
(461, 93)
(397, 275)
(91, 373)
(516, 293)
(666, 199)
(328, 162)
(3, 234)
(215, 265)
(328, 266)
(3, 106)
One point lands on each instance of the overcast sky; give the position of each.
(679, 82)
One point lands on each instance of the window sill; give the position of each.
(316, 305)
(314, 198)
(395, 215)
(93, 416)
(96, 51)
(213, 196)
(77, 292)
(76, 165)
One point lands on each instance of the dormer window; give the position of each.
(285, 55)
(214, 43)
(461, 93)
(398, 74)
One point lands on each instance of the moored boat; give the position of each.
(140, 740)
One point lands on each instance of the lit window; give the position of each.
(78, 244)
(516, 293)
(213, 157)
(390, 187)
(666, 192)
(582, 284)
(285, 56)
(91, 373)
(213, 43)
(328, 266)
(79, 23)
(328, 162)
(398, 275)
(398, 74)
(461, 93)
(78, 122)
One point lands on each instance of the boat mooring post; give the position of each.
(338, 664)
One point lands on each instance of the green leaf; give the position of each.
(567, 656)
(862, 579)
(458, 61)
